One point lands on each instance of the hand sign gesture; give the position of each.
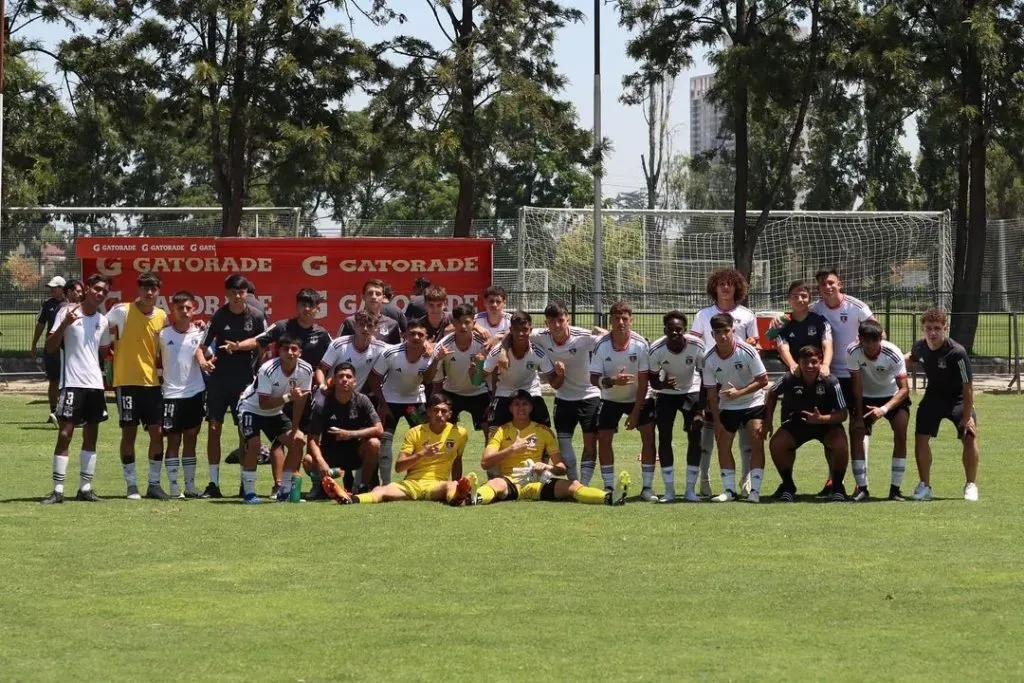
(813, 417)
(622, 378)
(230, 346)
(730, 391)
(73, 315)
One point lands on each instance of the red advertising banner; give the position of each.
(279, 267)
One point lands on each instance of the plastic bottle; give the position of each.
(414, 414)
(478, 375)
(295, 496)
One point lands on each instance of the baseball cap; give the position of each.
(56, 281)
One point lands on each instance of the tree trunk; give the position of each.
(962, 234)
(237, 134)
(743, 256)
(467, 124)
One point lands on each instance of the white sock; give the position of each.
(215, 475)
(286, 482)
(729, 480)
(129, 473)
(587, 471)
(87, 470)
(172, 462)
(668, 475)
(899, 468)
(189, 464)
(647, 475)
(707, 447)
(154, 472)
(744, 439)
(756, 475)
(860, 473)
(60, 470)
(249, 481)
(384, 461)
(568, 456)
(608, 476)
(691, 478)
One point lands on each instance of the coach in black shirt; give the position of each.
(803, 328)
(44, 323)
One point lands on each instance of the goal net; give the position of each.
(529, 293)
(670, 253)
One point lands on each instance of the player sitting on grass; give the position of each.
(813, 409)
(282, 380)
(948, 396)
(878, 375)
(431, 457)
(517, 450)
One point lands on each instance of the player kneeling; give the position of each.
(516, 450)
(813, 410)
(431, 457)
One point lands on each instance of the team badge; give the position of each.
(843, 317)
(450, 444)
(941, 363)
(531, 441)
(689, 361)
(812, 330)
(247, 326)
(820, 390)
(572, 352)
(881, 370)
(738, 366)
(530, 366)
(799, 391)
(632, 358)
(293, 383)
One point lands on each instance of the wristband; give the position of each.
(884, 409)
(287, 398)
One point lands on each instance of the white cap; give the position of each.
(56, 281)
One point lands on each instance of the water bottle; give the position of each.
(295, 496)
(478, 375)
(773, 332)
(414, 414)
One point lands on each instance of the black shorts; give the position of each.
(342, 454)
(803, 432)
(584, 413)
(932, 412)
(476, 406)
(307, 412)
(513, 490)
(846, 386)
(499, 412)
(139, 405)
(878, 402)
(221, 396)
(51, 366)
(271, 426)
(82, 406)
(612, 411)
(732, 420)
(400, 410)
(183, 414)
(667, 405)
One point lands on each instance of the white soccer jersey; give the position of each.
(343, 350)
(182, 376)
(521, 372)
(744, 323)
(877, 375)
(503, 325)
(575, 355)
(739, 368)
(272, 381)
(403, 379)
(844, 319)
(608, 361)
(684, 367)
(80, 349)
(456, 370)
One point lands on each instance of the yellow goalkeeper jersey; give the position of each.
(439, 467)
(540, 439)
(135, 345)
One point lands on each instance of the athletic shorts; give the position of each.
(417, 490)
(500, 412)
(222, 396)
(476, 406)
(533, 490)
(399, 411)
(803, 432)
(584, 413)
(732, 420)
(879, 401)
(271, 426)
(51, 366)
(183, 414)
(932, 412)
(612, 412)
(343, 454)
(307, 413)
(667, 405)
(846, 386)
(139, 406)
(81, 406)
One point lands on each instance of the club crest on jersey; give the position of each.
(293, 383)
(820, 390)
(382, 329)
(450, 444)
(530, 365)
(843, 317)
(689, 361)
(572, 352)
(812, 330)
(632, 358)
(738, 365)
(246, 326)
(531, 441)
(941, 363)
(881, 370)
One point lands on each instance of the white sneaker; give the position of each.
(691, 497)
(647, 495)
(725, 496)
(923, 492)
(705, 489)
(971, 492)
(754, 497)
(745, 486)
(52, 420)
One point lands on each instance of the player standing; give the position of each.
(949, 395)
(388, 329)
(417, 307)
(524, 361)
(460, 373)
(437, 320)
(495, 320)
(802, 327)
(360, 349)
(45, 324)
(78, 335)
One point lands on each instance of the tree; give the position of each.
(702, 183)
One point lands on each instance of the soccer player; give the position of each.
(619, 367)
(282, 380)
(517, 451)
(391, 310)
(417, 307)
(524, 361)
(388, 329)
(78, 335)
(74, 290)
(735, 378)
(577, 401)
(437, 321)
(878, 374)
(431, 457)
(134, 327)
(813, 409)
(229, 371)
(727, 288)
(495, 320)
(45, 324)
(460, 374)
(180, 351)
(360, 349)
(397, 383)
(802, 327)
(675, 364)
(949, 395)
(344, 433)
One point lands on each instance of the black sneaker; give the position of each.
(211, 491)
(826, 490)
(787, 496)
(895, 493)
(154, 492)
(838, 494)
(88, 496)
(778, 492)
(861, 494)
(274, 491)
(52, 499)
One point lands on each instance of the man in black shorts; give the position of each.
(460, 369)
(948, 396)
(813, 410)
(344, 433)
(44, 325)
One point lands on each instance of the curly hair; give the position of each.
(730, 275)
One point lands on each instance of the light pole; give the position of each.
(598, 166)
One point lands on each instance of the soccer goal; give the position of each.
(529, 293)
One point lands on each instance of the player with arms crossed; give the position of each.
(460, 373)
(878, 375)
(494, 320)
(79, 333)
(735, 378)
(950, 396)
(515, 364)
(675, 366)
(387, 329)
(619, 367)
(517, 449)
(813, 410)
(279, 381)
(360, 350)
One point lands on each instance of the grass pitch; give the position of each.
(202, 590)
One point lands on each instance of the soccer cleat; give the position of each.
(211, 491)
(648, 496)
(861, 494)
(177, 496)
(280, 497)
(88, 496)
(922, 492)
(154, 492)
(53, 499)
(251, 499)
(133, 493)
(778, 492)
(838, 494)
(691, 497)
(463, 489)
(274, 491)
(705, 489)
(624, 482)
(754, 497)
(331, 489)
(971, 492)
(787, 496)
(471, 500)
(826, 490)
(895, 493)
(726, 496)
(669, 497)
(192, 494)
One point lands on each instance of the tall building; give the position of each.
(705, 118)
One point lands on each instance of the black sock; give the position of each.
(787, 478)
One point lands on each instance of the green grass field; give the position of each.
(205, 590)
